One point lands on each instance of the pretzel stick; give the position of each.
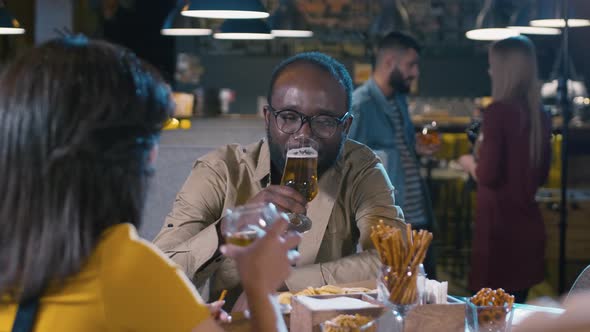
(403, 253)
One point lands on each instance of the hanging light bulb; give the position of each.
(8, 24)
(244, 29)
(485, 27)
(226, 9)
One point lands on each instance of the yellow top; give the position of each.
(126, 285)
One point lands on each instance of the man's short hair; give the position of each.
(397, 41)
(321, 61)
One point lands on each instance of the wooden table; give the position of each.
(240, 323)
(426, 318)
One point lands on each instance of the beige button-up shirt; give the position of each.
(354, 194)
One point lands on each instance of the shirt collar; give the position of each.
(263, 165)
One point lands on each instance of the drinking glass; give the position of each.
(395, 315)
(245, 224)
(301, 174)
(488, 318)
(429, 137)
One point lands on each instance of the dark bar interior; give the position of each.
(407, 86)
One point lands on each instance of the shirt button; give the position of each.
(170, 225)
(244, 150)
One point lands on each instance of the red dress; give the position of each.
(508, 247)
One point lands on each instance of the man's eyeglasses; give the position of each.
(322, 125)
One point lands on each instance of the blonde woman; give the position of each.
(514, 154)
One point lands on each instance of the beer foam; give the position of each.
(302, 153)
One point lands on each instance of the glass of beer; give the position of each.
(245, 224)
(301, 174)
(429, 136)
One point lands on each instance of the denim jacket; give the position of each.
(373, 126)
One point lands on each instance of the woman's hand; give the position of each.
(468, 163)
(217, 312)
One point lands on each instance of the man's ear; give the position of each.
(348, 123)
(267, 114)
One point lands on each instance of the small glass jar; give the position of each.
(395, 315)
(488, 318)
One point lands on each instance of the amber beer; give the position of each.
(242, 239)
(430, 137)
(301, 171)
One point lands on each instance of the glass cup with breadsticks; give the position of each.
(401, 252)
(490, 311)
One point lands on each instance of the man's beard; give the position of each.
(326, 158)
(398, 82)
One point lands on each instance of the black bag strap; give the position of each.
(25, 316)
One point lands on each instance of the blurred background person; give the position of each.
(382, 121)
(513, 162)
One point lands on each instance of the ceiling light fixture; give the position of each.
(244, 30)
(485, 25)
(226, 9)
(521, 17)
(177, 24)
(8, 24)
(551, 16)
(529, 30)
(288, 21)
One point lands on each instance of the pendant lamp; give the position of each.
(288, 21)
(177, 24)
(250, 29)
(487, 26)
(8, 24)
(521, 17)
(550, 15)
(226, 9)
